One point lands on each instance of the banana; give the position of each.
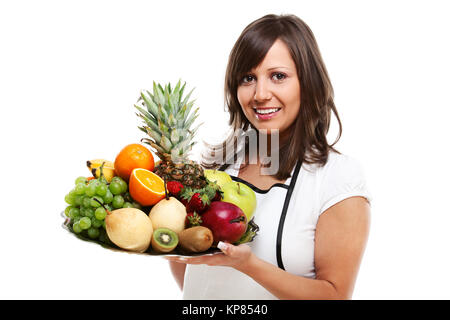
(108, 168)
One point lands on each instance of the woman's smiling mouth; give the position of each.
(266, 113)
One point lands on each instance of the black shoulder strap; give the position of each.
(283, 213)
(223, 167)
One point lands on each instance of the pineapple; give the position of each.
(167, 121)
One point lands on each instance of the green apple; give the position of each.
(241, 195)
(217, 176)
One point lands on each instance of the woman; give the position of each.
(313, 214)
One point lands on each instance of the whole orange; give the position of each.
(131, 157)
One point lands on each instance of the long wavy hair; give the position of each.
(309, 131)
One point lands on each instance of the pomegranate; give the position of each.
(226, 221)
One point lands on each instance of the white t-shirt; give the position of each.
(317, 188)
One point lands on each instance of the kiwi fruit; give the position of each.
(196, 239)
(164, 240)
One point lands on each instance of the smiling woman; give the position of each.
(313, 212)
(270, 93)
(276, 64)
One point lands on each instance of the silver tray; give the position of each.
(175, 253)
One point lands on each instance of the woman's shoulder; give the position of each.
(342, 163)
(340, 169)
(341, 177)
(337, 163)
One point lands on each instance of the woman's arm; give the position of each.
(341, 236)
(178, 270)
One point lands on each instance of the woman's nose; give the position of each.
(262, 91)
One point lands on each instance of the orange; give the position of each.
(146, 187)
(131, 157)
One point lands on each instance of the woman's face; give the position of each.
(270, 93)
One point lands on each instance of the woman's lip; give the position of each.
(266, 116)
(254, 108)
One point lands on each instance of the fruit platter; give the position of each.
(165, 206)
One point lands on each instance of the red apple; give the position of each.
(226, 221)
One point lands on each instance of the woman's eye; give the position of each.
(248, 78)
(278, 76)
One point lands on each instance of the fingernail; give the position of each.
(182, 259)
(222, 245)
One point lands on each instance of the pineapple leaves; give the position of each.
(167, 120)
(164, 130)
(165, 143)
(176, 96)
(150, 123)
(160, 150)
(194, 131)
(158, 94)
(163, 114)
(174, 136)
(186, 99)
(145, 114)
(147, 140)
(152, 133)
(190, 120)
(142, 129)
(172, 121)
(170, 107)
(151, 106)
(180, 117)
(188, 110)
(184, 146)
(160, 88)
(181, 94)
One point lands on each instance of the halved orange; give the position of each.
(146, 187)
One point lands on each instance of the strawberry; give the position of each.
(185, 195)
(184, 201)
(213, 191)
(174, 187)
(195, 199)
(198, 202)
(193, 219)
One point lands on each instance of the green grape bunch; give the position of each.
(89, 201)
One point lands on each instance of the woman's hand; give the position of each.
(236, 257)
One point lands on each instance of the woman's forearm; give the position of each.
(285, 285)
(178, 270)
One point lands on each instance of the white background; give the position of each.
(70, 72)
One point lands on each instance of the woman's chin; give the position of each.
(268, 130)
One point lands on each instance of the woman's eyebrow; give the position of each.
(278, 67)
(254, 70)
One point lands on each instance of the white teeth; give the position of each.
(266, 111)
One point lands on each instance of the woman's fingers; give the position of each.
(231, 255)
(210, 259)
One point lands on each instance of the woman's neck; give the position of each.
(271, 144)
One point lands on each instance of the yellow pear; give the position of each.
(168, 213)
(130, 229)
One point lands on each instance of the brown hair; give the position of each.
(309, 142)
